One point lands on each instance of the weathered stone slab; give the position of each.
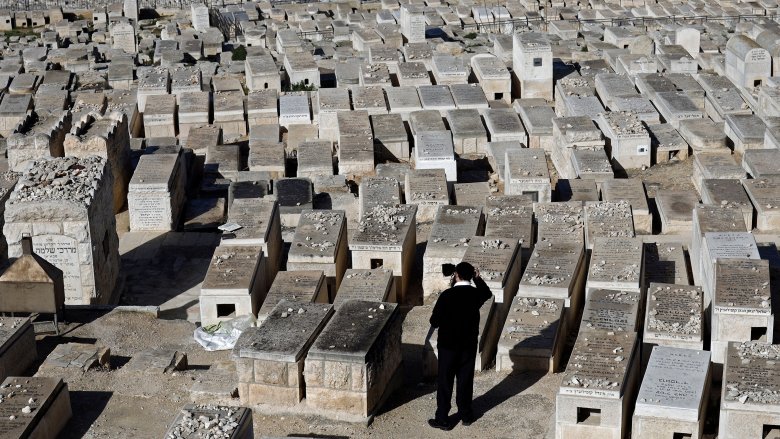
(367, 285)
(611, 310)
(157, 361)
(295, 285)
(75, 355)
(320, 243)
(675, 209)
(665, 263)
(235, 283)
(33, 407)
(532, 336)
(563, 221)
(452, 229)
(674, 317)
(607, 219)
(616, 263)
(427, 189)
(764, 193)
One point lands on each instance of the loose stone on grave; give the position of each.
(320, 243)
(33, 407)
(511, 216)
(562, 221)
(616, 263)
(532, 337)
(270, 358)
(728, 193)
(672, 400)
(235, 283)
(260, 226)
(204, 420)
(386, 237)
(674, 317)
(295, 285)
(371, 285)
(612, 310)
(376, 191)
(353, 366)
(665, 263)
(555, 270)
(675, 209)
(749, 403)
(427, 189)
(17, 345)
(74, 355)
(741, 308)
(448, 240)
(607, 219)
(764, 193)
(598, 386)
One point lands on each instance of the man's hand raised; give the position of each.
(476, 273)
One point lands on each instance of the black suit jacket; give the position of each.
(456, 314)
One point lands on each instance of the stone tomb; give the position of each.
(386, 237)
(616, 263)
(611, 310)
(294, 195)
(511, 216)
(297, 286)
(270, 358)
(706, 219)
(235, 283)
(750, 401)
(354, 364)
(632, 191)
(742, 306)
(72, 227)
(370, 285)
(435, 150)
(44, 417)
(156, 360)
(195, 421)
(556, 270)
(607, 219)
(320, 243)
(526, 173)
(598, 386)
(675, 209)
(723, 245)
(156, 194)
(376, 191)
(728, 193)
(562, 221)
(665, 263)
(448, 241)
(427, 189)
(764, 193)
(499, 264)
(470, 194)
(674, 317)
(714, 165)
(673, 397)
(532, 337)
(17, 348)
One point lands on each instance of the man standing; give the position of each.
(456, 314)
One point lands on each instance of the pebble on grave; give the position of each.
(764, 193)
(370, 285)
(628, 142)
(616, 263)
(560, 222)
(722, 245)
(526, 173)
(607, 219)
(270, 358)
(598, 386)
(448, 240)
(295, 285)
(34, 407)
(235, 283)
(320, 243)
(632, 191)
(532, 337)
(260, 226)
(665, 263)
(749, 402)
(156, 193)
(741, 309)
(672, 399)
(612, 310)
(675, 209)
(355, 363)
(378, 191)
(487, 338)
(386, 237)
(66, 206)
(195, 420)
(74, 355)
(427, 189)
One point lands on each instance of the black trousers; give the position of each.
(455, 363)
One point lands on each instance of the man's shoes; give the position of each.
(441, 425)
(468, 420)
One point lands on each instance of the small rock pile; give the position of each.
(60, 179)
(207, 421)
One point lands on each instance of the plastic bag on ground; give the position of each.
(223, 335)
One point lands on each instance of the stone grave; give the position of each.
(386, 237)
(672, 399)
(157, 360)
(235, 283)
(628, 142)
(675, 210)
(34, 407)
(526, 173)
(71, 222)
(315, 157)
(297, 286)
(665, 263)
(196, 420)
(260, 226)
(612, 310)
(427, 189)
(764, 193)
(470, 194)
(761, 163)
(498, 262)
(633, 192)
(377, 191)
(156, 194)
(390, 137)
(707, 219)
(607, 219)
(576, 190)
(507, 216)
(616, 263)
(674, 317)
(320, 243)
(562, 221)
(204, 214)
(722, 245)
(18, 349)
(728, 193)
(270, 358)
(353, 366)
(714, 165)
(81, 356)
(598, 386)
(741, 308)
(504, 124)
(468, 132)
(532, 337)
(749, 403)
(369, 285)
(448, 241)
(434, 150)
(294, 196)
